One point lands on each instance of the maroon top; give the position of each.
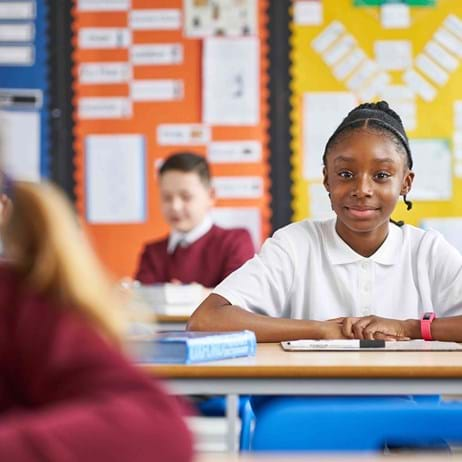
(67, 396)
(207, 261)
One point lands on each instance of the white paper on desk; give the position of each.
(343, 68)
(441, 56)
(115, 178)
(393, 55)
(328, 36)
(322, 113)
(17, 10)
(220, 17)
(17, 55)
(431, 69)
(231, 152)
(231, 84)
(156, 90)
(156, 19)
(105, 108)
(395, 16)
(104, 38)
(157, 54)
(182, 134)
(432, 167)
(420, 85)
(308, 12)
(240, 217)
(20, 142)
(104, 73)
(238, 187)
(320, 206)
(450, 228)
(17, 32)
(103, 5)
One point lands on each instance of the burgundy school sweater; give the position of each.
(206, 261)
(66, 396)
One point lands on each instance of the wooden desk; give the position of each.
(274, 371)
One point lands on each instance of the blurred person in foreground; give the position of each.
(67, 393)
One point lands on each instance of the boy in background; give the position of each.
(196, 250)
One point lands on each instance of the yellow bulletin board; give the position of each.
(434, 115)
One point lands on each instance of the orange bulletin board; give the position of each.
(119, 244)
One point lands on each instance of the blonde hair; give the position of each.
(44, 242)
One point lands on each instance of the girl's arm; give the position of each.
(215, 313)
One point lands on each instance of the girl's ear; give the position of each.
(325, 180)
(407, 183)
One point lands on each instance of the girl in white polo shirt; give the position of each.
(359, 275)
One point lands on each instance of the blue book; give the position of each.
(183, 347)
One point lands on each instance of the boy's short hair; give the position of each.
(187, 162)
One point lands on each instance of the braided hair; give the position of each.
(382, 119)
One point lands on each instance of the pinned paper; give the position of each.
(104, 37)
(182, 134)
(328, 36)
(393, 55)
(238, 187)
(432, 167)
(308, 12)
(17, 10)
(223, 152)
(339, 49)
(157, 54)
(157, 19)
(17, 32)
(322, 113)
(104, 73)
(231, 81)
(240, 217)
(103, 5)
(419, 85)
(20, 144)
(156, 90)
(220, 17)
(441, 56)
(395, 16)
(115, 179)
(105, 108)
(349, 63)
(17, 55)
(431, 69)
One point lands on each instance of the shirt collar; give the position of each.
(184, 239)
(339, 252)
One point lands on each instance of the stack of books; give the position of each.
(171, 299)
(191, 347)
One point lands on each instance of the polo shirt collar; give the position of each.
(177, 238)
(339, 252)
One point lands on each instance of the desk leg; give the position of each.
(232, 416)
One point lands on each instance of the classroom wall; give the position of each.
(434, 115)
(119, 243)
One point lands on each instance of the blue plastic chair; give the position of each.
(356, 424)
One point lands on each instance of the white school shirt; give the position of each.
(306, 271)
(177, 238)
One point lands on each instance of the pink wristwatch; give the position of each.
(425, 325)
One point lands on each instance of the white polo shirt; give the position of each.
(306, 271)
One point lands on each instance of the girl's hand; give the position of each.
(331, 330)
(374, 327)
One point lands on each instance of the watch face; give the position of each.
(427, 316)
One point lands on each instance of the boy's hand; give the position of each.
(374, 327)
